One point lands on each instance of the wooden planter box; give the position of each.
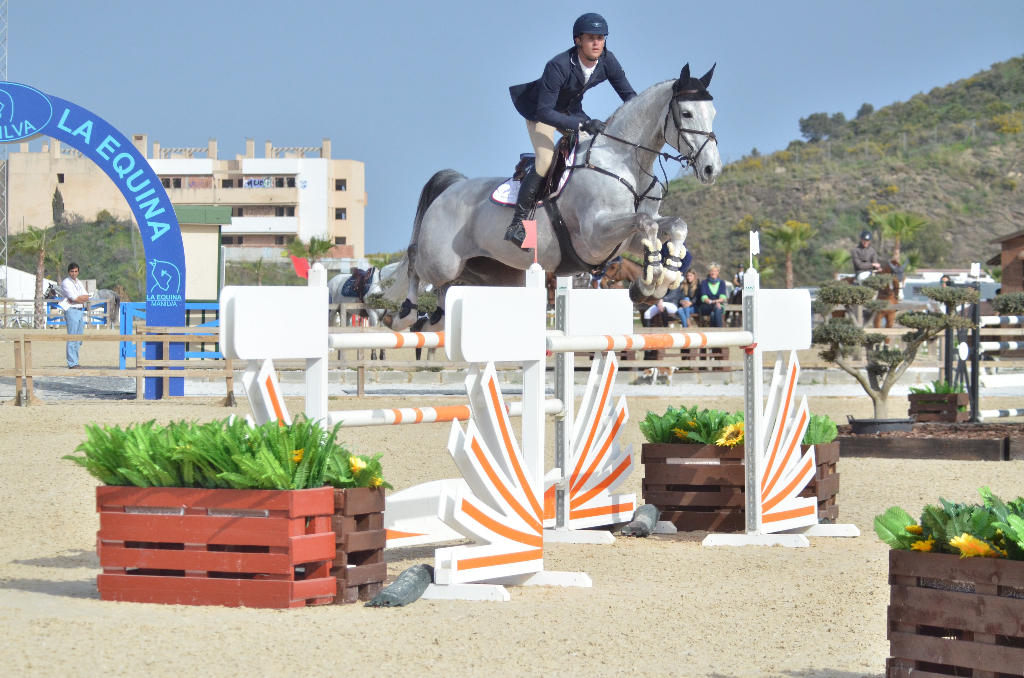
(938, 407)
(954, 617)
(358, 522)
(972, 449)
(239, 548)
(702, 487)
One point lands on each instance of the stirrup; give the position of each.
(516, 233)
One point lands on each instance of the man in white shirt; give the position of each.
(74, 315)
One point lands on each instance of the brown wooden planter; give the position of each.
(359, 559)
(239, 548)
(702, 487)
(973, 449)
(938, 407)
(954, 616)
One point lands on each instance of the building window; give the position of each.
(341, 184)
(291, 182)
(237, 212)
(166, 182)
(279, 240)
(239, 240)
(60, 178)
(289, 211)
(284, 211)
(279, 182)
(340, 213)
(227, 240)
(339, 240)
(227, 183)
(176, 182)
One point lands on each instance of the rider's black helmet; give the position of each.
(590, 23)
(865, 235)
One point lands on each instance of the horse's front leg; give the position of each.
(644, 230)
(672, 233)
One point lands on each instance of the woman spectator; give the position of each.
(689, 297)
(713, 296)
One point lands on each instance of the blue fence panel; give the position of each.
(58, 321)
(131, 310)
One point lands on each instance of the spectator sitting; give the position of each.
(662, 309)
(689, 297)
(712, 296)
(864, 257)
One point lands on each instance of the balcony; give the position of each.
(233, 196)
(272, 225)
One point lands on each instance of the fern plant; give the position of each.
(225, 454)
(820, 430)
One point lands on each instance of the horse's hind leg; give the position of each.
(408, 312)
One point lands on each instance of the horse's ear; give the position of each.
(684, 75)
(706, 78)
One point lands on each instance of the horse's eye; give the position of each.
(687, 114)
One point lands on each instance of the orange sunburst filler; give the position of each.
(500, 507)
(784, 469)
(598, 464)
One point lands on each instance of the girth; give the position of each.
(570, 261)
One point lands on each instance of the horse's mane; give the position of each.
(639, 99)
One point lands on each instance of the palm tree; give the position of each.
(790, 237)
(837, 261)
(313, 251)
(35, 241)
(902, 226)
(256, 268)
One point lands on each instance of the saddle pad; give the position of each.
(508, 192)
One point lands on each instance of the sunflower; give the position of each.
(731, 435)
(972, 547)
(923, 544)
(297, 455)
(356, 464)
(914, 529)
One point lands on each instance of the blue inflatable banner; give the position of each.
(26, 112)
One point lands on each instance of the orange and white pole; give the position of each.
(350, 340)
(639, 342)
(423, 415)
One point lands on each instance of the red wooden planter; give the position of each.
(702, 487)
(239, 548)
(952, 616)
(938, 406)
(358, 523)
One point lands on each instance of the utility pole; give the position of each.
(4, 174)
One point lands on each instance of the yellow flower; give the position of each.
(923, 544)
(376, 482)
(732, 435)
(297, 455)
(680, 433)
(692, 422)
(356, 464)
(914, 529)
(972, 547)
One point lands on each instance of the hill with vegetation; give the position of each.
(954, 156)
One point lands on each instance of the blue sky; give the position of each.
(413, 87)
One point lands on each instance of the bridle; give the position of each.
(687, 160)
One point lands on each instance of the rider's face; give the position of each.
(591, 46)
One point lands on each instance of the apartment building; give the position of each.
(289, 192)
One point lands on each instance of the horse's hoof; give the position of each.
(387, 320)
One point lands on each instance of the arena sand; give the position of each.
(664, 606)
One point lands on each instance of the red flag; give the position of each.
(531, 235)
(301, 266)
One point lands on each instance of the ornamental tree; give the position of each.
(855, 299)
(843, 339)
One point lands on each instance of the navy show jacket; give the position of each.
(557, 98)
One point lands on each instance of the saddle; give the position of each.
(554, 181)
(358, 284)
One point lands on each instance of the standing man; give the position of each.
(864, 257)
(555, 102)
(74, 315)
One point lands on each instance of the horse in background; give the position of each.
(361, 287)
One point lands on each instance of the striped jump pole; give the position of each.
(1000, 414)
(423, 415)
(1000, 345)
(375, 340)
(1002, 319)
(639, 342)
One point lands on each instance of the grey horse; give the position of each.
(610, 205)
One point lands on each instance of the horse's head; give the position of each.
(688, 124)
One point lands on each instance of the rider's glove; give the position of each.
(592, 126)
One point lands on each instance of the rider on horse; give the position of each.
(555, 102)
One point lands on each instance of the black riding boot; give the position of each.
(528, 188)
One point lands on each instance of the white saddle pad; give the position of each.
(508, 192)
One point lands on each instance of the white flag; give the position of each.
(976, 270)
(755, 244)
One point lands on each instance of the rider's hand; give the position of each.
(592, 126)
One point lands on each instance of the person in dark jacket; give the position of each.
(712, 296)
(555, 102)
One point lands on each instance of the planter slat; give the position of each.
(827, 453)
(227, 592)
(983, 449)
(947, 566)
(297, 503)
(725, 497)
(655, 451)
(197, 529)
(314, 547)
(709, 521)
(960, 653)
(683, 474)
(358, 524)
(994, 615)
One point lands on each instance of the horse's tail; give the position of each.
(437, 185)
